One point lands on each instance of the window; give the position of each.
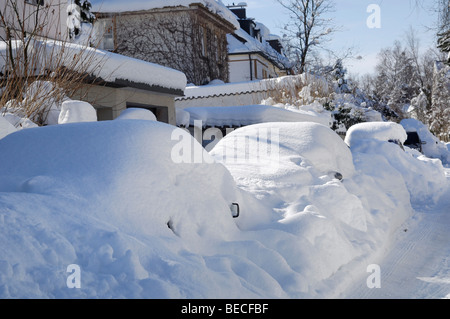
(108, 36)
(204, 41)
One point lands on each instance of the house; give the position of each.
(45, 18)
(186, 35)
(254, 53)
(110, 82)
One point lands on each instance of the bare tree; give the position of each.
(307, 28)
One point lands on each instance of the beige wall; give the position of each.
(239, 66)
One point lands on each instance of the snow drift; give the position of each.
(423, 177)
(108, 197)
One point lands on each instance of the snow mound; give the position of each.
(18, 122)
(423, 177)
(382, 131)
(136, 114)
(290, 163)
(76, 111)
(110, 198)
(292, 167)
(5, 127)
(303, 143)
(124, 168)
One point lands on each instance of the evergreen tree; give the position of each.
(79, 14)
(85, 13)
(339, 73)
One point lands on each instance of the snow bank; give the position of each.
(110, 198)
(292, 167)
(433, 147)
(5, 127)
(76, 111)
(423, 177)
(382, 131)
(116, 165)
(284, 156)
(336, 219)
(17, 121)
(215, 6)
(230, 116)
(136, 114)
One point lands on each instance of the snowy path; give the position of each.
(418, 264)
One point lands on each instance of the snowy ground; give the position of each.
(418, 262)
(141, 210)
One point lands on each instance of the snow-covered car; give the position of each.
(371, 143)
(380, 131)
(125, 171)
(272, 148)
(432, 147)
(414, 141)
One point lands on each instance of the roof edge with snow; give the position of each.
(211, 6)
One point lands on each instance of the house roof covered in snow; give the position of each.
(240, 42)
(214, 6)
(217, 89)
(236, 116)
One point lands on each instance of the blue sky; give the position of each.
(397, 16)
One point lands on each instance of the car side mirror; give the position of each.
(235, 210)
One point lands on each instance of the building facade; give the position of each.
(191, 39)
(255, 53)
(44, 18)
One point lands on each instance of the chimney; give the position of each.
(239, 10)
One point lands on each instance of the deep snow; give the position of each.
(114, 199)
